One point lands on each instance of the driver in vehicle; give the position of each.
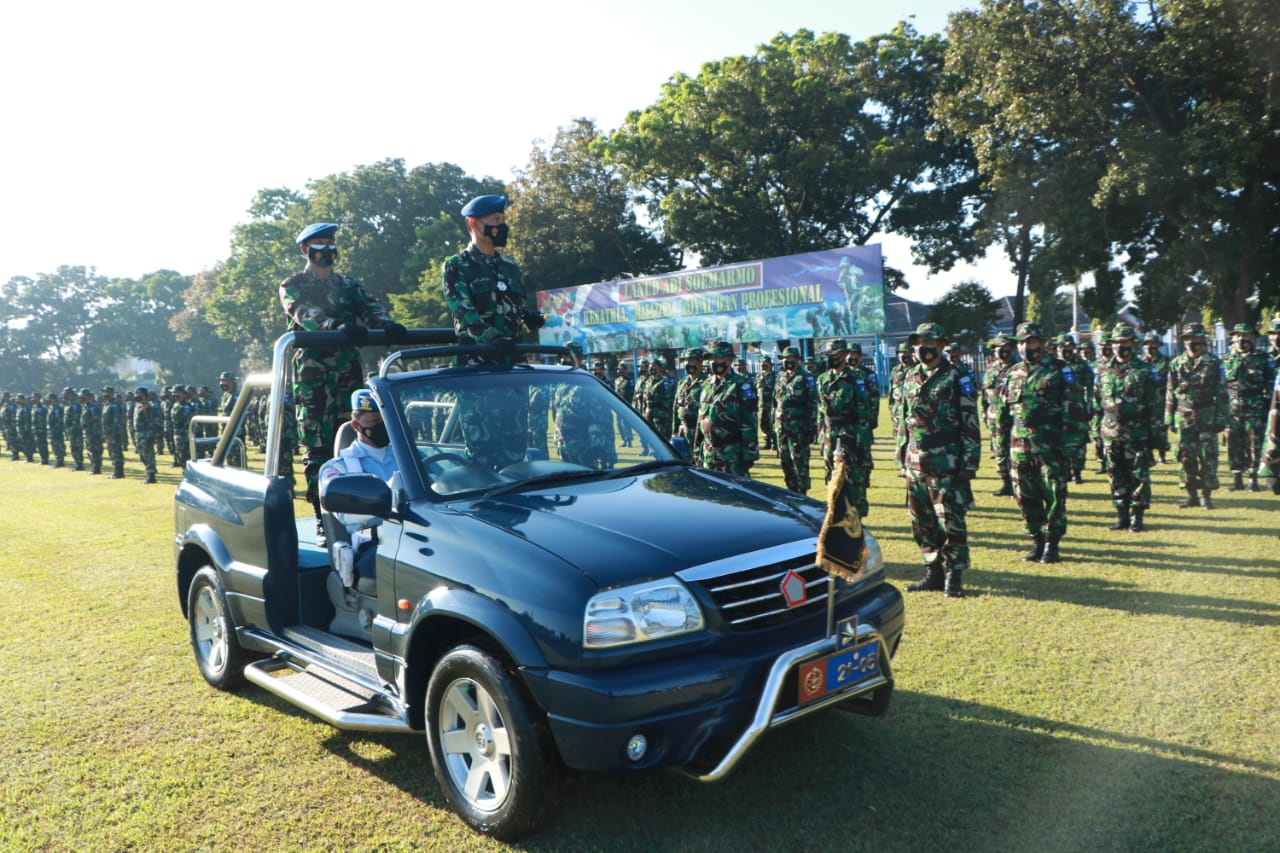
(351, 549)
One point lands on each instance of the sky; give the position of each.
(137, 133)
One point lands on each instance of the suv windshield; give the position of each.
(480, 430)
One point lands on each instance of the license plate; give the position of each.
(838, 671)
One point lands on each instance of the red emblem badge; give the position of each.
(793, 589)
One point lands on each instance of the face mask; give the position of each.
(792, 366)
(691, 369)
(376, 434)
(1197, 348)
(926, 354)
(322, 256)
(1033, 355)
(497, 233)
(1004, 354)
(1246, 346)
(1124, 353)
(904, 359)
(719, 368)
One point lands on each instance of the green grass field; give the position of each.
(1127, 698)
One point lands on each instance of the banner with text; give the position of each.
(811, 295)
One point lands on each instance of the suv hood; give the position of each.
(649, 525)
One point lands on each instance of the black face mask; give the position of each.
(791, 366)
(1034, 355)
(376, 435)
(926, 354)
(1124, 353)
(1004, 354)
(1197, 348)
(905, 359)
(1246, 346)
(322, 256)
(719, 368)
(691, 369)
(497, 233)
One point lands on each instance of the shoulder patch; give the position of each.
(747, 391)
(1068, 375)
(966, 385)
(813, 383)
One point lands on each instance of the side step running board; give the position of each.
(341, 706)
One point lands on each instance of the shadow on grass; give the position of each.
(935, 773)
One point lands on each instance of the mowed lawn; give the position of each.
(1127, 698)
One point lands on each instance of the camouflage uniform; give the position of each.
(325, 379)
(727, 418)
(624, 387)
(539, 410)
(1131, 420)
(486, 296)
(1159, 362)
(1269, 465)
(1106, 352)
(180, 421)
(1044, 411)
(114, 431)
(844, 425)
(72, 413)
(40, 427)
(897, 376)
(941, 448)
(166, 420)
(995, 415)
(795, 420)
(1249, 375)
(26, 430)
(147, 422)
(768, 385)
(584, 431)
(1196, 407)
(1081, 394)
(91, 425)
(684, 419)
(9, 414)
(659, 399)
(57, 432)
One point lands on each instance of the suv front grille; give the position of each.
(751, 600)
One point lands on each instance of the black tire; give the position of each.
(213, 635)
(493, 759)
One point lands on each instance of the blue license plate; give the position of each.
(838, 672)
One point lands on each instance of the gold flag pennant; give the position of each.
(840, 540)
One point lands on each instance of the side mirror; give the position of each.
(356, 494)
(681, 446)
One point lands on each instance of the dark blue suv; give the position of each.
(612, 611)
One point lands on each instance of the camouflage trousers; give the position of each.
(495, 426)
(322, 389)
(937, 506)
(115, 450)
(1129, 467)
(1245, 437)
(767, 427)
(1000, 453)
(794, 452)
(58, 447)
(1077, 454)
(1198, 455)
(146, 445)
(12, 441)
(42, 447)
(76, 440)
(1040, 491)
(859, 478)
(93, 449)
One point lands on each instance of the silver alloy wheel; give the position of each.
(476, 747)
(209, 630)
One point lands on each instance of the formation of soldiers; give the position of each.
(80, 430)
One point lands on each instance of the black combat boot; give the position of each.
(1006, 488)
(932, 580)
(1193, 498)
(1237, 483)
(1051, 551)
(151, 478)
(1122, 518)
(1136, 525)
(117, 472)
(1253, 483)
(953, 589)
(1205, 500)
(1037, 550)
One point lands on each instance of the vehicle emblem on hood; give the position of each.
(793, 589)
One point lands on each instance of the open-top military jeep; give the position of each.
(557, 612)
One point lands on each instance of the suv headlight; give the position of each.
(872, 556)
(636, 614)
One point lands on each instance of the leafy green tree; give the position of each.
(573, 219)
(810, 143)
(52, 326)
(967, 312)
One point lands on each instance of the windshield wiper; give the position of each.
(543, 480)
(641, 467)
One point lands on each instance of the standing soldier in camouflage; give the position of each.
(767, 386)
(1196, 407)
(1106, 352)
(166, 423)
(180, 420)
(843, 422)
(229, 387)
(994, 414)
(9, 416)
(727, 416)
(319, 299)
(40, 426)
(867, 372)
(955, 355)
(146, 431)
(26, 429)
(624, 386)
(1082, 394)
(57, 431)
(583, 431)
(72, 410)
(114, 431)
(941, 449)
(688, 396)
(795, 420)
(1131, 418)
(1159, 362)
(1273, 339)
(906, 360)
(659, 397)
(1044, 411)
(1269, 465)
(1250, 375)
(91, 425)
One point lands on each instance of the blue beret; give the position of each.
(362, 401)
(317, 229)
(483, 205)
